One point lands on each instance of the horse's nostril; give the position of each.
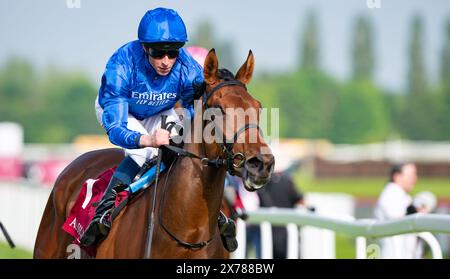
(253, 163)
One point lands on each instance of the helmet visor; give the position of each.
(164, 45)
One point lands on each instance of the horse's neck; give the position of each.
(211, 179)
(210, 176)
(195, 192)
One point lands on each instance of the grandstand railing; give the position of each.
(422, 224)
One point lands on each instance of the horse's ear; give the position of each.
(211, 67)
(245, 73)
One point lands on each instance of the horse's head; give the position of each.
(237, 130)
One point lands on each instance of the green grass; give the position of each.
(368, 187)
(345, 247)
(7, 252)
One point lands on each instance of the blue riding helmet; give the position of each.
(162, 25)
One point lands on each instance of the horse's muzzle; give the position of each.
(258, 171)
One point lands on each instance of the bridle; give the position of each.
(225, 144)
(228, 161)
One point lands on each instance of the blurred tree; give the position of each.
(361, 116)
(225, 52)
(204, 37)
(307, 102)
(420, 118)
(362, 50)
(264, 89)
(309, 51)
(445, 84)
(69, 105)
(445, 60)
(393, 101)
(53, 106)
(417, 77)
(17, 90)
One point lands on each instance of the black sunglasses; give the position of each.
(159, 53)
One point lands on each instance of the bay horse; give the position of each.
(189, 195)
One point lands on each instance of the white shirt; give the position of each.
(392, 204)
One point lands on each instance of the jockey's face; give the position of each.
(162, 61)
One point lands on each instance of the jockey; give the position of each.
(143, 79)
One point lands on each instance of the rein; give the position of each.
(228, 162)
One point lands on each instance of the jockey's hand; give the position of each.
(158, 138)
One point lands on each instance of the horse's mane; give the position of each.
(225, 75)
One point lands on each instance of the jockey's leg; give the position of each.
(100, 224)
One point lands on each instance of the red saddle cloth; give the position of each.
(83, 210)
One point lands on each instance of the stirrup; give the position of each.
(228, 232)
(223, 222)
(104, 224)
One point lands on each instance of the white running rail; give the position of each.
(422, 224)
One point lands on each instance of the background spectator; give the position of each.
(396, 202)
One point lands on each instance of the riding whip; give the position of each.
(8, 238)
(148, 249)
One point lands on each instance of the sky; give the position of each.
(50, 32)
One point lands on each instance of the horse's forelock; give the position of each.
(225, 75)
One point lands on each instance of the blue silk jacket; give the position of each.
(130, 85)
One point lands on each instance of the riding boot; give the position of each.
(100, 225)
(227, 228)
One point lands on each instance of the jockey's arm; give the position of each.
(115, 119)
